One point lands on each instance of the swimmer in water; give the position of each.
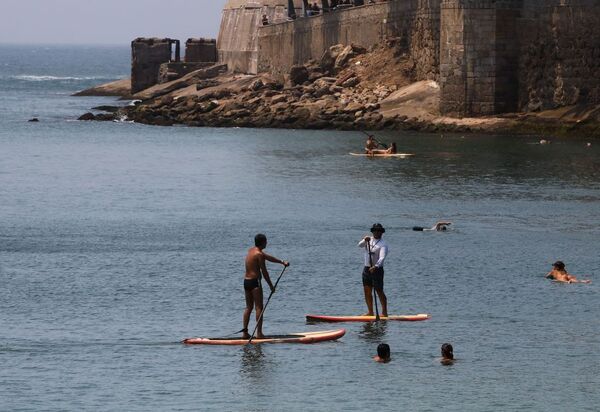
(559, 274)
(438, 227)
(447, 354)
(383, 353)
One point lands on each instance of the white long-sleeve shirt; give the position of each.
(379, 251)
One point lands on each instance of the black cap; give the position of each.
(377, 228)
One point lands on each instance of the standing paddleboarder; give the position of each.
(376, 250)
(255, 265)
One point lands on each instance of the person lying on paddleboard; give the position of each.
(391, 150)
(383, 353)
(438, 227)
(255, 265)
(559, 274)
(447, 354)
(376, 250)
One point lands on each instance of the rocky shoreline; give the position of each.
(350, 88)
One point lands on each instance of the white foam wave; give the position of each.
(33, 78)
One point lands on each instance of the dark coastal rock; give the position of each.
(109, 109)
(298, 75)
(351, 82)
(34, 120)
(87, 117)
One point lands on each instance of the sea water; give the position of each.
(118, 240)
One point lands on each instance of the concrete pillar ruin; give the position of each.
(200, 50)
(147, 54)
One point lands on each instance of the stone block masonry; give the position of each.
(147, 55)
(478, 57)
(559, 54)
(415, 23)
(201, 51)
(489, 56)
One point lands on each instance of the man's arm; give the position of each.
(275, 260)
(550, 275)
(265, 272)
(363, 243)
(382, 255)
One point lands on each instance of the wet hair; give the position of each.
(559, 265)
(383, 351)
(447, 351)
(260, 240)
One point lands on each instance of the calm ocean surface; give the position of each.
(118, 240)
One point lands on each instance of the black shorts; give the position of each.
(374, 279)
(251, 284)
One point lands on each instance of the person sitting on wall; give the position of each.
(265, 20)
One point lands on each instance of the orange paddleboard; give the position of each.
(308, 337)
(404, 318)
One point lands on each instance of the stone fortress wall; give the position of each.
(240, 24)
(489, 56)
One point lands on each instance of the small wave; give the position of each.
(33, 78)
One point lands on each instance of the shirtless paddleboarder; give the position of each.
(255, 265)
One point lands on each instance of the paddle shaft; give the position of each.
(373, 281)
(266, 304)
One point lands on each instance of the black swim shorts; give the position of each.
(251, 284)
(374, 279)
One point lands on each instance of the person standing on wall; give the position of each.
(376, 250)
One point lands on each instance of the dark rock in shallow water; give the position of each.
(109, 109)
(34, 120)
(87, 117)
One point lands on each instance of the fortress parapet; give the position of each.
(238, 36)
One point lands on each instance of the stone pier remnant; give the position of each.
(199, 54)
(201, 50)
(147, 55)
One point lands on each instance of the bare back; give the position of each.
(255, 262)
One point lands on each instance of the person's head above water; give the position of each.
(558, 265)
(383, 353)
(447, 351)
(260, 241)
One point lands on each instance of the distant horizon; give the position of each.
(106, 22)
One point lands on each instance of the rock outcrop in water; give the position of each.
(350, 88)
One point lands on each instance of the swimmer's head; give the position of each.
(383, 351)
(444, 228)
(447, 351)
(559, 265)
(260, 240)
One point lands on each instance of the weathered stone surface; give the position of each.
(147, 56)
(298, 75)
(119, 88)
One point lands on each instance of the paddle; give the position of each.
(385, 146)
(266, 304)
(373, 282)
